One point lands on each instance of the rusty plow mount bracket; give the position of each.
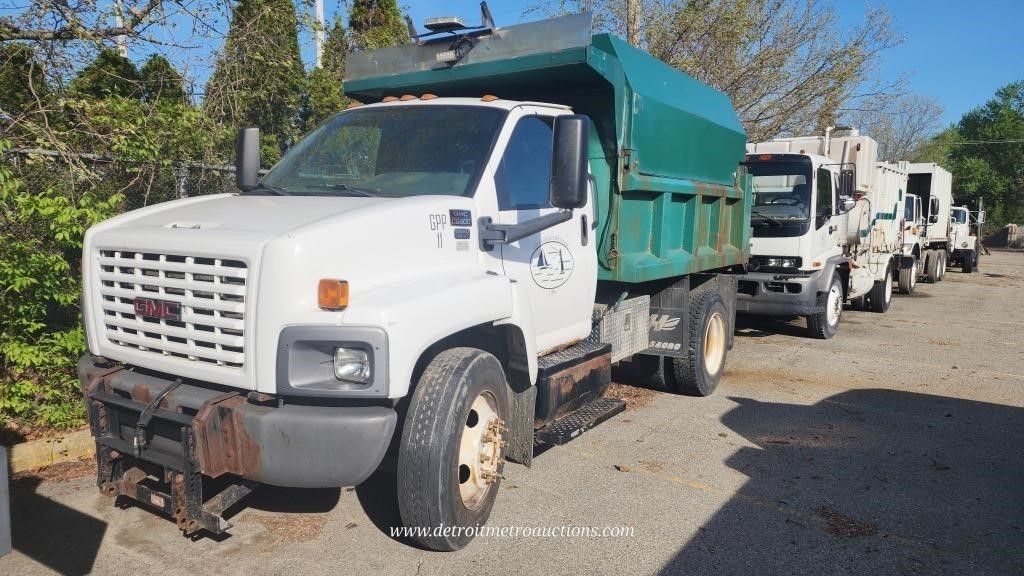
(210, 442)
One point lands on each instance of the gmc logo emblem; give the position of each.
(158, 308)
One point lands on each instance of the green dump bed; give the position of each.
(665, 148)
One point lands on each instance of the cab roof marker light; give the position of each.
(389, 99)
(353, 105)
(407, 97)
(428, 96)
(489, 98)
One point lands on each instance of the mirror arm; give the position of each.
(491, 234)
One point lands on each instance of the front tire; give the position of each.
(824, 324)
(931, 266)
(698, 373)
(967, 262)
(880, 295)
(451, 457)
(940, 271)
(908, 278)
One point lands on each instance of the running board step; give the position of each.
(573, 424)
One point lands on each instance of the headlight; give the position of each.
(780, 262)
(351, 365)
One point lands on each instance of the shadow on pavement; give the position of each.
(869, 482)
(60, 538)
(749, 326)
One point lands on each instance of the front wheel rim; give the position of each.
(834, 306)
(913, 274)
(888, 287)
(714, 343)
(480, 451)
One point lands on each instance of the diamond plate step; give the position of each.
(571, 425)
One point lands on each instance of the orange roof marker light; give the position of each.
(353, 105)
(389, 99)
(490, 98)
(428, 96)
(407, 97)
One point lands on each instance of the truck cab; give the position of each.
(912, 224)
(824, 228)
(965, 244)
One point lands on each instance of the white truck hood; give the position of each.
(261, 258)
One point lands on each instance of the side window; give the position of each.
(524, 174)
(823, 201)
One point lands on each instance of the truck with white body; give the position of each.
(431, 281)
(926, 225)
(826, 231)
(966, 251)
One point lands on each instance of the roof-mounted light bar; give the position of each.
(445, 28)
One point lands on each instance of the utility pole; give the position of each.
(319, 33)
(633, 8)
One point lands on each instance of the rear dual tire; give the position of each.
(700, 370)
(908, 278)
(880, 295)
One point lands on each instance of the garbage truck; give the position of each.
(966, 247)
(431, 282)
(926, 227)
(825, 228)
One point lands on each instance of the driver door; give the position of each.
(557, 267)
(826, 230)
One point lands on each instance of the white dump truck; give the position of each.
(926, 225)
(825, 228)
(439, 277)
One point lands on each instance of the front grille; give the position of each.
(210, 291)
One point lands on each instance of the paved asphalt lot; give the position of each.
(895, 448)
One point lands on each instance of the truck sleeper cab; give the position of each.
(436, 277)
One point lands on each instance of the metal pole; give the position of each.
(319, 33)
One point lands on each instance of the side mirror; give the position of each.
(847, 183)
(981, 217)
(932, 219)
(846, 203)
(569, 173)
(247, 158)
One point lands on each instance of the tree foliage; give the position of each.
(259, 77)
(324, 94)
(22, 79)
(376, 23)
(988, 160)
(901, 126)
(161, 82)
(109, 74)
(787, 65)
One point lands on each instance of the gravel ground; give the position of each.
(894, 448)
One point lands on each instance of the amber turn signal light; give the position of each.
(332, 294)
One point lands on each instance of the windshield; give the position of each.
(391, 151)
(782, 191)
(960, 216)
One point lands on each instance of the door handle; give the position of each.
(832, 228)
(584, 230)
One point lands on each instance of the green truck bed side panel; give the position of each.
(665, 148)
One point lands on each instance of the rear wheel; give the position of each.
(880, 295)
(825, 323)
(941, 267)
(931, 266)
(451, 456)
(699, 371)
(908, 278)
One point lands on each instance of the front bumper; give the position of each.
(778, 294)
(294, 445)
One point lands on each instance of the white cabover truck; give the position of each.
(440, 276)
(964, 240)
(825, 228)
(926, 225)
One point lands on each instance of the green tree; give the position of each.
(988, 162)
(109, 74)
(376, 24)
(259, 78)
(21, 80)
(324, 90)
(161, 82)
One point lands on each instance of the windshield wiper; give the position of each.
(767, 219)
(266, 189)
(359, 191)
